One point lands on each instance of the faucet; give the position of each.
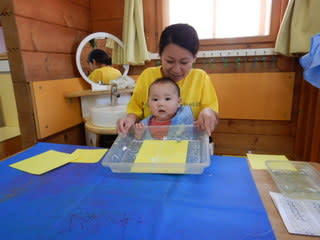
(114, 95)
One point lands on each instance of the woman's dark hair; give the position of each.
(165, 80)
(182, 35)
(100, 56)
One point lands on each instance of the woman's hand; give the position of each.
(123, 124)
(207, 120)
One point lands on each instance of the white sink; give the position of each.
(107, 116)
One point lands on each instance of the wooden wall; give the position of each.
(239, 136)
(307, 138)
(107, 16)
(10, 147)
(42, 37)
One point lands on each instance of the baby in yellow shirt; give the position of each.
(100, 64)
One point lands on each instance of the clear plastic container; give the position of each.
(295, 179)
(176, 149)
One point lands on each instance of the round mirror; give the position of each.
(97, 43)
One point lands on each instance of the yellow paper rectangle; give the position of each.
(43, 162)
(282, 166)
(88, 155)
(257, 161)
(160, 153)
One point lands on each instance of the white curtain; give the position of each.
(301, 21)
(117, 51)
(135, 47)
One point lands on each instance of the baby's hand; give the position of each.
(123, 125)
(138, 125)
(138, 130)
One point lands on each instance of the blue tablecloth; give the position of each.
(88, 201)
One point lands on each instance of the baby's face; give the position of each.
(92, 65)
(163, 101)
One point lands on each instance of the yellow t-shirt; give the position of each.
(105, 74)
(196, 88)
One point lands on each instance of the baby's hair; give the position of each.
(165, 80)
(100, 56)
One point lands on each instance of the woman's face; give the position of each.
(176, 62)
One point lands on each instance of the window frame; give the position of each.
(277, 12)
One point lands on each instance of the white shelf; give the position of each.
(228, 53)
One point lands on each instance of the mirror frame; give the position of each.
(97, 35)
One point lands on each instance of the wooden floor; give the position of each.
(10, 147)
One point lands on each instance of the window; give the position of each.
(223, 18)
(221, 22)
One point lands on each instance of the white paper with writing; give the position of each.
(300, 216)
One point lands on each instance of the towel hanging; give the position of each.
(311, 62)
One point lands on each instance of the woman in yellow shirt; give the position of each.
(179, 44)
(100, 65)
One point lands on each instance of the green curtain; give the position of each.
(135, 47)
(301, 21)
